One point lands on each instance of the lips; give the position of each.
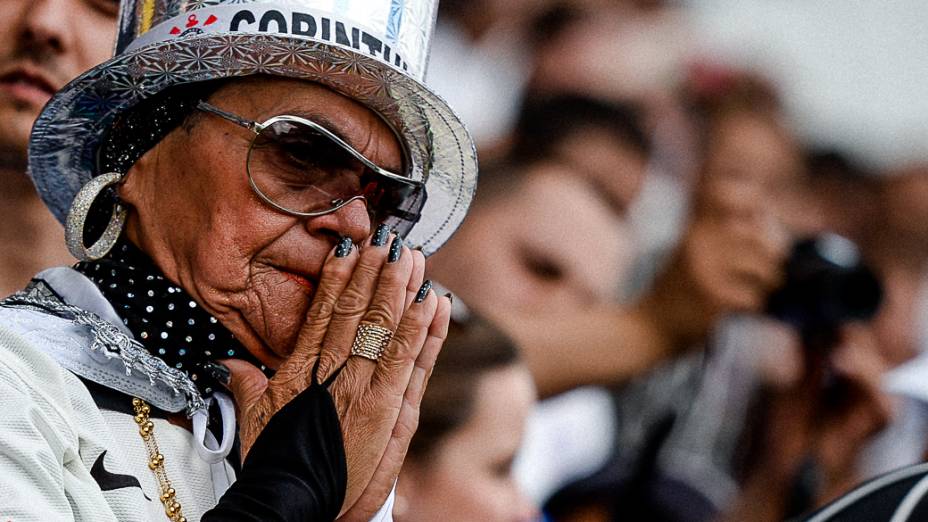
(304, 280)
(28, 83)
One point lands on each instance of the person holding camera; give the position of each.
(795, 382)
(759, 424)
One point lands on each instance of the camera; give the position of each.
(827, 285)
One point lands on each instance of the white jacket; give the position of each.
(63, 457)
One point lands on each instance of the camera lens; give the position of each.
(827, 284)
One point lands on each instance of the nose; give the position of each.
(45, 27)
(352, 220)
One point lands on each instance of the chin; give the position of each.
(268, 358)
(285, 322)
(14, 130)
(271, 322)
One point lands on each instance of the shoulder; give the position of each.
(25, 339)
(34, 386)
(21, 359)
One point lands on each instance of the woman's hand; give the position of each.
(372, 498)
(377, 402)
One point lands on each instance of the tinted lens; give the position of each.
(302, 170)
(392, 200)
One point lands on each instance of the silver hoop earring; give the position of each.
(77, 217)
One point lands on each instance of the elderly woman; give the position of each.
(248, 333)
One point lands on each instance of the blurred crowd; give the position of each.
(722, 319)
(618, 351)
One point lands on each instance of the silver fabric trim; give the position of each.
(109, 340)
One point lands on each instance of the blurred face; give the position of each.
(193, 211)
(642, 51)
(906, 203)
(754, 168)
(554, 242)
(469, 475)
(43, 45)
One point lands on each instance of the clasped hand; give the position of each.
(377, 401)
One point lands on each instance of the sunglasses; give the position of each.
(301, 168)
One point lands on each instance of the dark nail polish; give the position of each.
(450, 297)
(396, 249)
(380, 235)
(219, 372)
(423, 291)
(344, 247)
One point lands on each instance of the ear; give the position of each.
(132, 190)
(128, 190)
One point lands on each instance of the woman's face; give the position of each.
(754, 166)
(194, 213)
(469, 475)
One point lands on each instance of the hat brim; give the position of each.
(65, 138)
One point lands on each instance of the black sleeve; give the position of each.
(296, 470)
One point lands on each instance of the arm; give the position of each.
(296, 469)
(605, 344)
(722, 265)
(32, 476)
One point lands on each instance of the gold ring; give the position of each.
(371, 341)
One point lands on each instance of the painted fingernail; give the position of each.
(450, 297)
(219, 372)
(423, 291)
(396, 249)
(344, 247)
(380, 235)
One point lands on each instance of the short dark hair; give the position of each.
(545, 121)
(140, 128)
(472, 349)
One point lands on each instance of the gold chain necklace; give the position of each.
(156, 461)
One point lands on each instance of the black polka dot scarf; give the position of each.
(162, 316)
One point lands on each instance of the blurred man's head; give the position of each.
(847, 193)
(604, 142)
(539, 239)
(43, 45)
(471, 426)
(548, 227)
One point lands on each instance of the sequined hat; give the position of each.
(373, 51)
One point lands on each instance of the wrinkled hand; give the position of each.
(377, 402)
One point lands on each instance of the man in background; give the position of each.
(43, 45)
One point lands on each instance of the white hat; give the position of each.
(373, 51)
